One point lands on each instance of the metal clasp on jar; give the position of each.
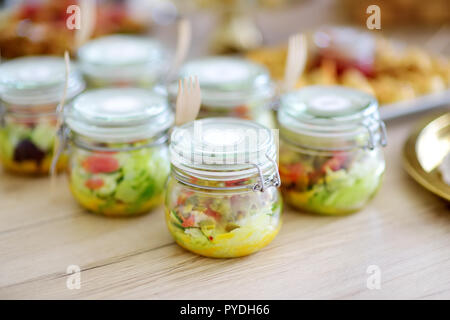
(62, 135)
(273, 180)
(382, 131)
(2, 116)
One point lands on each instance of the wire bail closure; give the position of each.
(62, 134)
(383, 135)
(274, 180)
(2, 116)
(383, 140)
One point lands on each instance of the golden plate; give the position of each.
(424, 151)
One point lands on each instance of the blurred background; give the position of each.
(221, 25)
(401, 61)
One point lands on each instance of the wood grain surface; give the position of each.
(405, 231)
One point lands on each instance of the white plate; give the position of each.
(420, 104)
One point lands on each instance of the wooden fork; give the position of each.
(296, 61)
(183, 45)
(188, 100)
(88, 10)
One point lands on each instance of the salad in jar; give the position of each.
(30, 90)
(222, 199)
(118, 155)
(331, 158)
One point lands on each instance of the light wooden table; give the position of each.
(405, 231)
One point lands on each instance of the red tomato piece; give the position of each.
(335, 163)
(292, 172)
(212, 213)
(94, 183)
(242, 112)
(100, 164)
(188, 222)
(234, 183)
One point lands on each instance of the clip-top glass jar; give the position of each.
(123, 61)
(331, 160)
(231, 87)
(31, 89)
(118, 153)
(222, 199)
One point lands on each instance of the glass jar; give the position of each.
(231, 87)
(222, 199)
(118, 153)
(123, 61)
(331, 158)
(31, 89)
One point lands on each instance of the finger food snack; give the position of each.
(222, 199)
(118, 155)
(30, 90)
(331, 158)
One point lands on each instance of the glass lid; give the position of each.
(119, 114)
(222, 145)
(328, 115)
(122, 56)
(318, 103)
(121, 50)
(37, 80)
(227, 82)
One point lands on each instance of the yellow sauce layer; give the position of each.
(237, 243)
(105, 207)
(32, 168)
